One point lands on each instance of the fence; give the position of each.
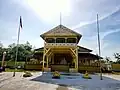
(32, 66)
(115, 67)
(81, 68)
(89, 68)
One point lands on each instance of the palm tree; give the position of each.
(117, 56)
(107, 59)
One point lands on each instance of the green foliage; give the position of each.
(24, 50)
(27, 74)
(117, 56)
(107, 59)
(86, 76)
(56, 75)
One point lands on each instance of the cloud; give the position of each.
(81, 24)
(104, 34)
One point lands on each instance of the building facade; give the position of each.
(61, 50)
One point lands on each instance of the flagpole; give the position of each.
(16, 50)
(99, 47)
(60, 19)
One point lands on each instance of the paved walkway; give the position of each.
(7, 82)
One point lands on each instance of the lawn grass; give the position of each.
(12, 63)
(10, 66)
(12, 70)
(19, 70)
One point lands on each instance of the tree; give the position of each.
(117, 56)
(107, 59)
(23, 51)
(1, 51)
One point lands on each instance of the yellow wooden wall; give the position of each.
(116, 67)
(89, 68)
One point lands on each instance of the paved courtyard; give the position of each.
(7, 82)
(44, 82)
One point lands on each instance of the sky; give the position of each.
(39, 16)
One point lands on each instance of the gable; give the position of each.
(60, 31)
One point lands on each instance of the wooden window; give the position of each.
(60, 40)
(71, 40)
(50, 40)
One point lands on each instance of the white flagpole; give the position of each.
(17, 49)
(99, 47)
(60, 18)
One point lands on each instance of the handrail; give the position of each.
(60, 44)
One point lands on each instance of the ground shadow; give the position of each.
(79, 83)
(61, 88)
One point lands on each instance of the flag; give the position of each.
(20, 22)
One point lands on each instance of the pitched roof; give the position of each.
(81, 49)
(61, 30)
(89, 55)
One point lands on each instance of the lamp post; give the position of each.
(3, 58)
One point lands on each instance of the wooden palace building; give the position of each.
(61, 52)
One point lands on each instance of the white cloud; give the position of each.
(104, 34)
(93, 21)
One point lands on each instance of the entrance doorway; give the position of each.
(62, 62)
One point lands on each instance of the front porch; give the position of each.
(60, 59)
(63, 59)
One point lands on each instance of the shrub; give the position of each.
(56, 75)
(27, 74)
(86, 76)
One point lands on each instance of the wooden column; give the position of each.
(43, 62)
(77, 58)
(44, 55)
(47, 61)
